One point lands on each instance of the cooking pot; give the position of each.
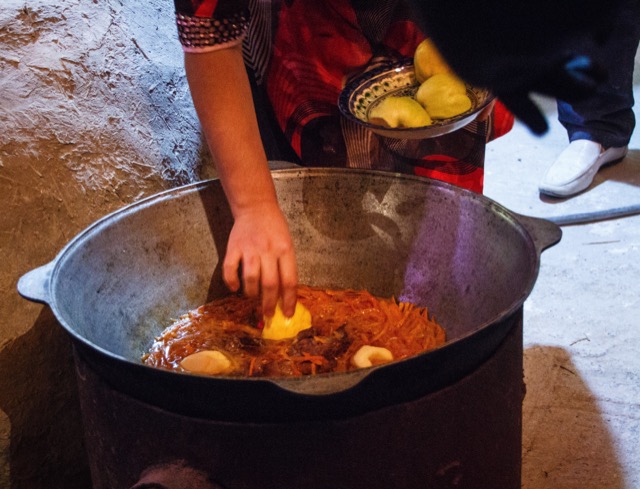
(469, 260)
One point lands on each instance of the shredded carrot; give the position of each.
(343, 322)
(306, 357)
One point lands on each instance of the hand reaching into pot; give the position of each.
(260, 244)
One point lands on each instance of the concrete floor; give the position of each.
(582, 320)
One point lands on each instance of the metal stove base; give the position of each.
(466, 435)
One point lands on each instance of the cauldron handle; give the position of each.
(34, 285)
(543, 232)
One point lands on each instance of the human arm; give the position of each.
(260, 239)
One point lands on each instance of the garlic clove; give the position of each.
(368, 355)
(207, 362)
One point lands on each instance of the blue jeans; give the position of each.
(607, 116)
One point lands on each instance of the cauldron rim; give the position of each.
(53, 270)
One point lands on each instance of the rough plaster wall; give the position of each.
(94, 114)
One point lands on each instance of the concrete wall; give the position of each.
(94, 114)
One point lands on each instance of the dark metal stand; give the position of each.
(468, 434)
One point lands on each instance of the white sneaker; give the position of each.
(574, 170)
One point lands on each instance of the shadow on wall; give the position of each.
(47, 444)
(566, 444)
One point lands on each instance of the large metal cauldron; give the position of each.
(469, 260)
(444, 418)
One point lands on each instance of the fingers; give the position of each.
(260, 244)
(230, 268)
(275, 278)
(270, 276)
(251, 268)
(269, 281)
(288, 283)
(251, 272)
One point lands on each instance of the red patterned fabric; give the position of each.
(206, 8)
(503, 120)
(302, 54)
